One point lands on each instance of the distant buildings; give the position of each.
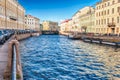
(11, 15)
(82, 21)
(32, 22)
(65, 25)
(50, 26)
(104, 19)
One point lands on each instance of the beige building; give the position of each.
(50, 26)
(76, 22)
(107, 17)
(87, 19)
(11, 15)
(32, 23)
(84, 20)
(66, 25)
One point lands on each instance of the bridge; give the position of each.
(50, 32)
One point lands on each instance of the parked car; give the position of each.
(6, 34)
(2, 37)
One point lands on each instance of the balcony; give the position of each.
(112, 24)
(13, 18)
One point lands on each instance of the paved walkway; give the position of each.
(3, 58)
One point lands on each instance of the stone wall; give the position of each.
(8, 71)
(22, 36)
(15, 40)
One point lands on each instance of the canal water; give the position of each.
(55, 57)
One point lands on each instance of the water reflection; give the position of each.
(56, 57)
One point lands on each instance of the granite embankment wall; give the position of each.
(63, 33)
(15, 41)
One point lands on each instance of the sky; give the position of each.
(54, 10)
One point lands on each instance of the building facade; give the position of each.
(50, 26)
(87, 19)
(76, 22)
(107, 17)
(11, 15)
(41, 27)
(66, 25)
(83, 20)
(32, 23)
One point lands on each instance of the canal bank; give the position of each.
(6, 56)
(93, 38)
(67, 59)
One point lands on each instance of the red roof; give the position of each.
(65, 21)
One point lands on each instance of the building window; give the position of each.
(96, 22)
(99, 7)
(99, 22)
(108, 12)
(112, 10)
(118, 9)
(105, 4)
(105, 12)
(108, 3)
(1, 10)
(96, 14)
(99, 13)
(107, 20)
(104, 21)
(112, 19)
(102, 13)
(102, 6)
(118, 20)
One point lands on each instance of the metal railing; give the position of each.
(14, 63)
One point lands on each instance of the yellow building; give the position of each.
(50, 26)
(11, 15)
(107, 17)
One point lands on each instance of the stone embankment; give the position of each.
(63, 33)
(101, 39)
(24, 36)
(6, 56)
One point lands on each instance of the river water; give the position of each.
(55, 57)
